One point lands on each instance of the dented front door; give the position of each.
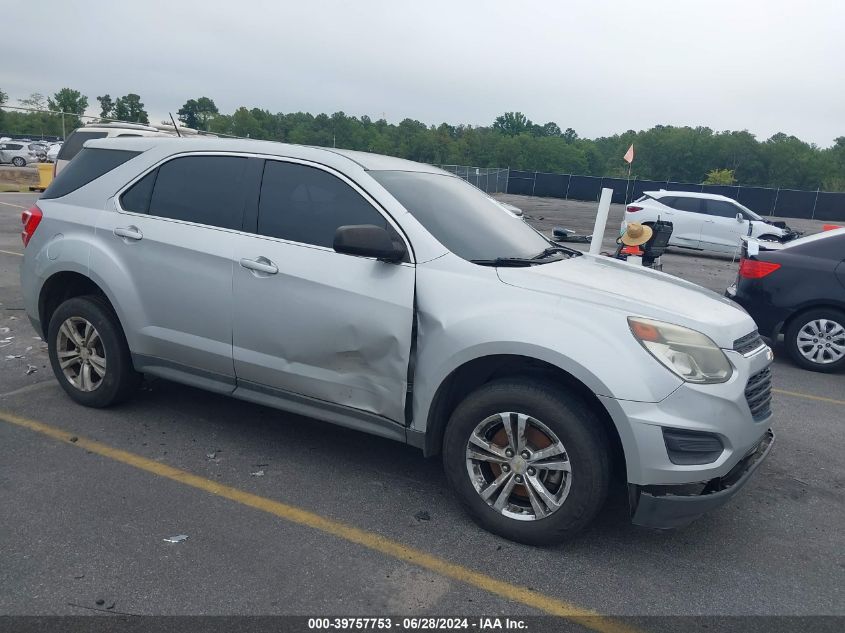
(334, 327)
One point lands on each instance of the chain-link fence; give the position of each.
(489, 179)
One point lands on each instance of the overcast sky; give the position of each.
(600, 67)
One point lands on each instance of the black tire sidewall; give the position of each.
(120, 377)
(576, 426)
(791, 338)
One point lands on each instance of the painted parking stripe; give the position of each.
(17, 206)
(370, 540)
(11, 253)
(807, 396)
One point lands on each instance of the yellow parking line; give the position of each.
(807, 396)
(370, 540)
(17, 206)
(11, 253)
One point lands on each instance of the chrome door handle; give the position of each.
(260, 264)
(129, 232)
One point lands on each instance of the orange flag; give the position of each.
(629, 155)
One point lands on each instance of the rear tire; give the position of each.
(573, 437)
(89, 354)
(815, 340)
(17, 161)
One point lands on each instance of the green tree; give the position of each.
(69, 101)
(197, 112)
(551, 129)
(720, 177)
(106, 106)
(512, 123)
(130, 108)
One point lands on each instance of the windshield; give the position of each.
(464, 219)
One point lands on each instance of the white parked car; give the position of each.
(18, 153)
(53, 152)
(704, 221)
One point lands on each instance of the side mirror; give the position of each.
(367, 240)
(739, 217)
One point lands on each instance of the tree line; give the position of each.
(663, 152)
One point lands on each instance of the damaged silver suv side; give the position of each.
(394, 298)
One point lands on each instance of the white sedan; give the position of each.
(703, 221)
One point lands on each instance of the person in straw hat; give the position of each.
(635, 235)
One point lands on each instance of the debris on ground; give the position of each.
(257, 473)
(4, 330)
(175, 539)
(13, 356)
(80, 577)
(111, 606)
(100, 602)
(31, 369)
(422, 515)
(211, 455)
(74, 439)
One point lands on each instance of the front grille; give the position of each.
(748, 343)
(758, 394)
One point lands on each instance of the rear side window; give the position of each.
(74, 143)
(12, 146)
(89, 165)
(203, 189)
(305, 204)
(692, 205)
(721, 209)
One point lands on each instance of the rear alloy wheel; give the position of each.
(17, 161)
(528, 460)
(81, 354)
(816, 340)
(89, 354)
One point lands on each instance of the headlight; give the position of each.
(685, 352)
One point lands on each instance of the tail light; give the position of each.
(632, 208)
(30, 220)
(755, 269)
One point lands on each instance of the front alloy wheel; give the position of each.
(82, 356)
(518, 466)
(528, 459)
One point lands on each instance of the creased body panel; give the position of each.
(328, 326)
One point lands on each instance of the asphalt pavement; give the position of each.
(345, 523)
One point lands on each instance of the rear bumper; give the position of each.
(674, 506)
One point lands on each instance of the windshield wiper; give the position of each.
(513, 262)
(556, 249)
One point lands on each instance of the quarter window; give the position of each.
(305, 204)
(203, 189)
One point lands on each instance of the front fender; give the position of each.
(593, 345)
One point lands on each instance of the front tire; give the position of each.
(17, 161)
(89, 354)
(528, 460)
(815, 340)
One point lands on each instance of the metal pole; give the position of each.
(815, 202)
(601, 220)
(64, 135)
(775, 204)
(534, 183)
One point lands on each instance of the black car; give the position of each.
(798, 290)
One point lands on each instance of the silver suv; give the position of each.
(394, 298)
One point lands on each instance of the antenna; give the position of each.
(174, 125)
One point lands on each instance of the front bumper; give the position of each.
(675, 506)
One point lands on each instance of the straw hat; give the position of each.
(636, 234)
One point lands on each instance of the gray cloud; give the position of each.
(597, 66)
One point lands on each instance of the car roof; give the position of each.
(328, 155)
(687, 194)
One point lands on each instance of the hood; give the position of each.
(636, 291)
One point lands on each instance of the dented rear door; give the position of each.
(308, 320)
